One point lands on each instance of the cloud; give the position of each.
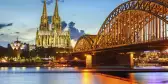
(5, 25)
(26, 36)
(75, 33)
(4, 43)
(61, 0)
(63, 24)
(8, 37)
(17, 32)
(73, 42)
(48, 2)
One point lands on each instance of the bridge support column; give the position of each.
(88, 61)
(131, 57)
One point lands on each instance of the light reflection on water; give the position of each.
(75, 78)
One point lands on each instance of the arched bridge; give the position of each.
(85, 43)
(132, 24)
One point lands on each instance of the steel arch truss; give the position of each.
(164, 2)
(135, 21)
(85, 43)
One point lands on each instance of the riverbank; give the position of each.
(76, 70)
(17, 64)
(55, 69)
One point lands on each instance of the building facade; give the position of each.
(52, 35)
(18, 49)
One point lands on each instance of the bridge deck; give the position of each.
(154, 45)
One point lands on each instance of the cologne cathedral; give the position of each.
(51, 37)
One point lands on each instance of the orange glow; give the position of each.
(62, 59)
(61, 68)
(86, 78)
(76, 59)
(3, 61)
(88, 61)
(166, 50)
(76, 68)
(132, 77)
(86, 70)
(106, 79)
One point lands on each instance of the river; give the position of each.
(37, 75)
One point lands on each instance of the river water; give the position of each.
(37, 75)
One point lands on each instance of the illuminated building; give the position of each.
(51, 35)
(18, 47)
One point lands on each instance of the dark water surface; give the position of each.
(23, 75)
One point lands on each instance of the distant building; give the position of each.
(51, 36)
(17, 47)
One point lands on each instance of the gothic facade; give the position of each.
(52, 35)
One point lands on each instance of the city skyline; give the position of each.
(83, 41)
(25, 16)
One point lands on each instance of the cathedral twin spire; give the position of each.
(56, 21)
(56, 14)
(44, 9)
(44, 18)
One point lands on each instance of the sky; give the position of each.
(22, 17)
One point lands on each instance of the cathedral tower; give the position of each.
(44, 19)
(56, 20)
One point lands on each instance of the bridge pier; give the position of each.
(88, 60)
(131, 59)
